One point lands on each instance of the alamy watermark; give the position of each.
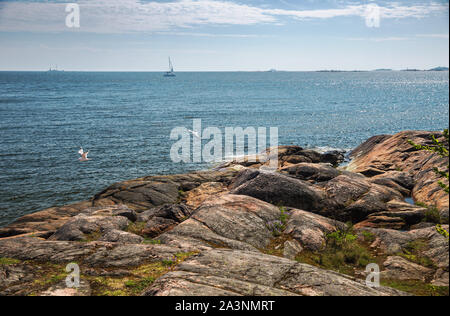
(373, 275)
(372, 15)
(73, 18)
(212, 145)
(73, 279)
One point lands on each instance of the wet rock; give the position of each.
(232, 272)
(296, 159)
(312, 155)
(333, 157)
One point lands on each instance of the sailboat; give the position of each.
(54, 69)
(170, 73)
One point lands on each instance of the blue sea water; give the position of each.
(125, 119)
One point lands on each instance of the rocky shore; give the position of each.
(310, 228)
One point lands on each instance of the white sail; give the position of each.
(170, 73)
(170, 65)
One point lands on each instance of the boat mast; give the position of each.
(170, 65)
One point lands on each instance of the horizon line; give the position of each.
(201, 71)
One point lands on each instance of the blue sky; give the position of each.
(224, 35)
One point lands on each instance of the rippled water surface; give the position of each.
(125, 120)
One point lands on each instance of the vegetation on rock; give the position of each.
(441, 148)
(343, 253)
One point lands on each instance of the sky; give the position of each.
(223, 35)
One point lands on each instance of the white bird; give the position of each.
(194, 133)
(83, 155)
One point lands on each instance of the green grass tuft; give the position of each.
(418, 288)
(8, 261)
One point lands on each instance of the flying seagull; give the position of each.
(83, 155)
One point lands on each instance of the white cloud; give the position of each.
(395, 38)
(121, 16)
(378, 39)
(433, 35)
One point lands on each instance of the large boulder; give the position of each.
(354, 198)
(310, 230)
(231, 221)
(163, 218)
(288, 155)
(194, 198)
(43, 223)
(83, 227)
(311, 171)
(279, 189)
(392, 153)
(114, 210)
(400, 181)
(345, 196)
(138, 195)
(230, 272)
(398, 268)
(93, 254)
(144, 193)
(398, 215)
(434, 245)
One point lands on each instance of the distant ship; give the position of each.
(170, 73)
(54, 69)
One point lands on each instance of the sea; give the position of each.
(125, 121)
